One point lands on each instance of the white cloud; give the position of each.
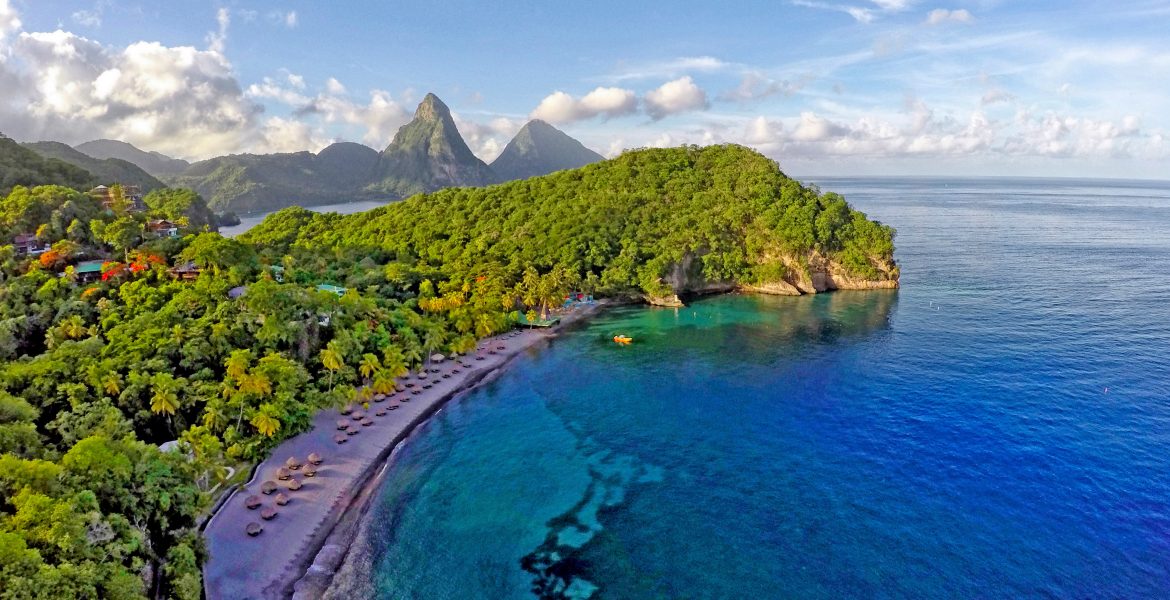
(994, 96)
(375, 121)
(288, 19)
(487, 140)
(813, 128)
(334, 87)
(861, 14)
(755, 86)
(270, 88)
(939, 16)
(288, 135)
(672, 97)
(217, 40)
(671, 68)
(9, 20)
(88, 18)
(65, 87)
(560, 107)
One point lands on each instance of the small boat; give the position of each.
(622, 339)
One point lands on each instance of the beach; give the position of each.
(268, 565)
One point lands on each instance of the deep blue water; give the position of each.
(998, 428)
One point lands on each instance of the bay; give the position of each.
(999, 427)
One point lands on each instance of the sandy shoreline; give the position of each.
(268, 565)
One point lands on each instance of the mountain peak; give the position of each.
(432, 109)
(540, 149)
(427, 154)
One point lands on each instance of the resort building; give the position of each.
(161, 228)
(27, 244)
(332, 289)
(186, 271)
(131, 193)
(88, 270)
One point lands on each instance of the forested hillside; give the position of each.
(21, 166)
(107, 171)
(656, 222)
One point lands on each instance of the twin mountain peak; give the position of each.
(426, 154)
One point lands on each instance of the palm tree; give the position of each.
(165, 398)
(383, 382)
(332, 360)
(432, 342)
(394, 361)
(112, 383)
(255, 383)
(265, 422)
(73, 327)
(369, 365)
(412, 354)
(484, 324)
(237, 363)
(214, 417)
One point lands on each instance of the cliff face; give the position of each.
(823, 274)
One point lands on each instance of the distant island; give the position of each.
(128, 325)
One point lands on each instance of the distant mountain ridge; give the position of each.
(106, 171)
(540, 149)
(157, 164)
(428, 154)
(23, 166)
(244, 183)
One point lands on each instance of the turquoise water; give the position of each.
(998, 428)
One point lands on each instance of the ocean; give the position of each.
(997, 428)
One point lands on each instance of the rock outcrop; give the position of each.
(822, 275)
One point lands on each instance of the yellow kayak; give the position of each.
(623, 339)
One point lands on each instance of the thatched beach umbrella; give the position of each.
(345, 410)
(310, 471)
(367, 423)
(283, 473)
(268, 487)
(379, 397)
(268, 513)
(358, 415)
(253, 529)
(340, 438)
(252, 502)
(399, 388)
(392, 407)
(438, 358)
(380, 412)
(293, 463)
(422, 375)
(352, 432)
(294, 484)
(281, 499)
(428, 386)
(315, 458)
(343, 424)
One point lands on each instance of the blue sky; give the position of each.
(826, 87)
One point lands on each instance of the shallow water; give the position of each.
(999, 427)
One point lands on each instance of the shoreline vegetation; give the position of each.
(144, 357)
(315, 528)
